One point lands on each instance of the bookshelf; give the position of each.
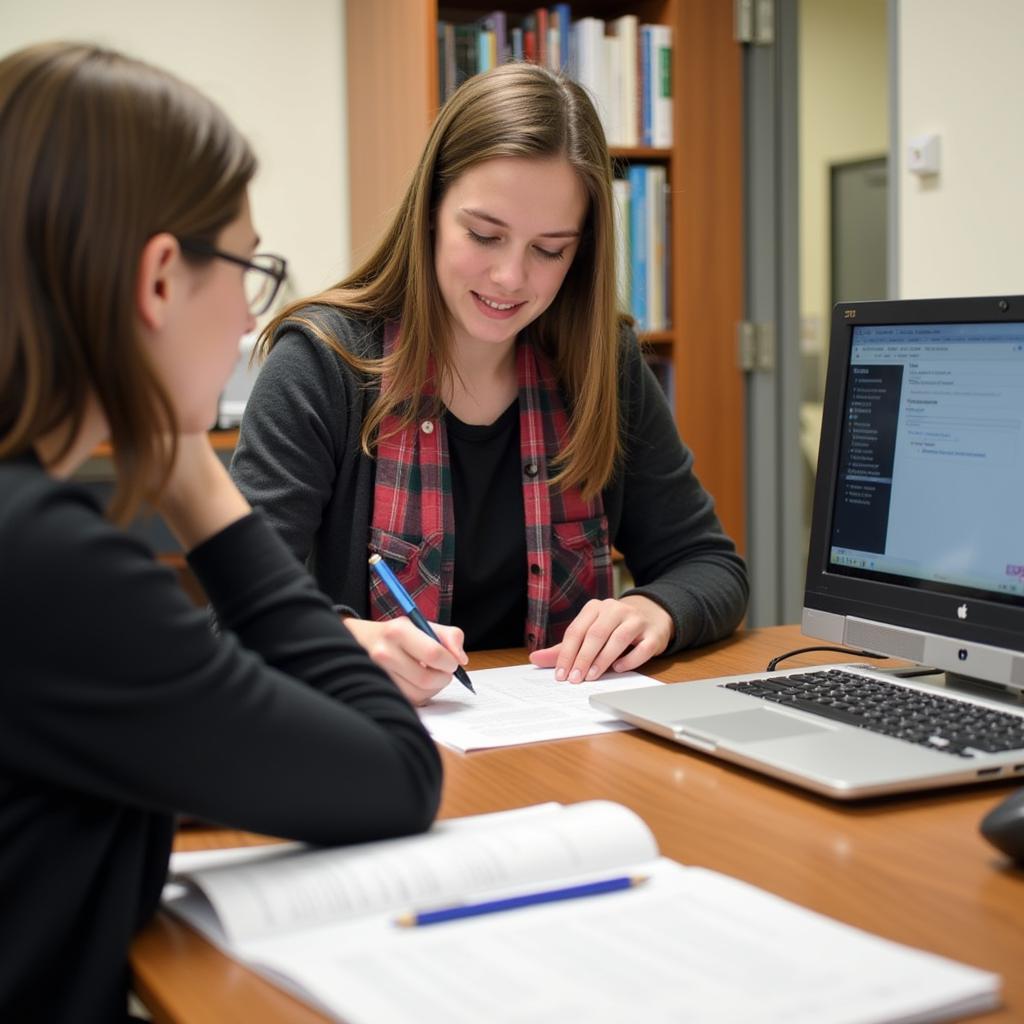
(393, 95)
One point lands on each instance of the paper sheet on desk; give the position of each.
(522, 704)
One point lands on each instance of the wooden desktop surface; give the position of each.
(913, 868)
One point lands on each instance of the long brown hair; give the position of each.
(98, 153)
(515, 110)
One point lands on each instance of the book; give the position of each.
(638, 244)
(688, 944)
(657, 229)
(624, 30)
(661, 85)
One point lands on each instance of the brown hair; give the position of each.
(98, 153)
(515, 110)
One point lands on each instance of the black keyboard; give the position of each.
(939, 723)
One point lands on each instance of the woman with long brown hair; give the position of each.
(128, 274)
(471, 405)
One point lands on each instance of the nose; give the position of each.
(509, 271)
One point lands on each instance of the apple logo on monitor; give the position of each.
(961, 612)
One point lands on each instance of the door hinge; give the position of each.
(755, 346)
(754, 22)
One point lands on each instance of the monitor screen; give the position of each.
(917, 544)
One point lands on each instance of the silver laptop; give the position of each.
(916, 552)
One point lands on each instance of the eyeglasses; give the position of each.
(261, 279)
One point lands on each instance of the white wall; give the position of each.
(843, 115)
(961, 71)
(276, 68)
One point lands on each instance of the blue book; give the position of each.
(484, 39)
(561, 11)
(517, 44)
(638, 242)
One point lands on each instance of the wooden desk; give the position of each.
(913, 869)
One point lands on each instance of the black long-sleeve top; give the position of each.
(120, 707)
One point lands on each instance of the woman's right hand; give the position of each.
(419, 666)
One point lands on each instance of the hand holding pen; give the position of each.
(408, 606)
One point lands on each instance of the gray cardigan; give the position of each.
(299, 459)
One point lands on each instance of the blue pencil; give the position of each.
(408, 605)
(531, 899)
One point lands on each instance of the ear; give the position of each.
(155, 281)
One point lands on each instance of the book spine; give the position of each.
(645, 85)
(590, 69)
(656, 183)
(662, 40)
(442, 64)
(484, 41)
(500, 22)
(530, 50)
(543, 30)
(564, 19)
(638, 242)
(466, 52)
(452, 74)
(518, 49)
(624, 32)
(612, 88)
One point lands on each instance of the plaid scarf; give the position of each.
(567, 546)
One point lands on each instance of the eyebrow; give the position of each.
(491, 219)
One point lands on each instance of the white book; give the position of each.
(612, 90)
(590, 65)
(661, 85)
(687, 945)
(624, 30)
(656, 228)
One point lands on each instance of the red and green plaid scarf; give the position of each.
(567, 545)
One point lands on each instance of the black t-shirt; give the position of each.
(489, 588)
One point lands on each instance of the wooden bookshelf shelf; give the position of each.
(636, 154)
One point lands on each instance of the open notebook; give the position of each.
(689, 945)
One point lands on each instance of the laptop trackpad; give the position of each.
(749, 726)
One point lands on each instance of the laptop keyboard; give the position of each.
(939, 723)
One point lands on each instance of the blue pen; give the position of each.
(515, 902)
(408, 605)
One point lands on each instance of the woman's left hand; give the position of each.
(618, 634)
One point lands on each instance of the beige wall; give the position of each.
(843, 115)
(277, 69)
(962, 77)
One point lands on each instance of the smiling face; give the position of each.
(506, 234)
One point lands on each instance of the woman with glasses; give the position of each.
(470, 405)
(127, 276)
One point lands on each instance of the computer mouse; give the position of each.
(1003, 826)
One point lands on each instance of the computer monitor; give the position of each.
(917, 538)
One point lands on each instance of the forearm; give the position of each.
(199, 499)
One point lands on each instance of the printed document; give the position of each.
(522, 704)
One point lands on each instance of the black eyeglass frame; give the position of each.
(278, 273)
